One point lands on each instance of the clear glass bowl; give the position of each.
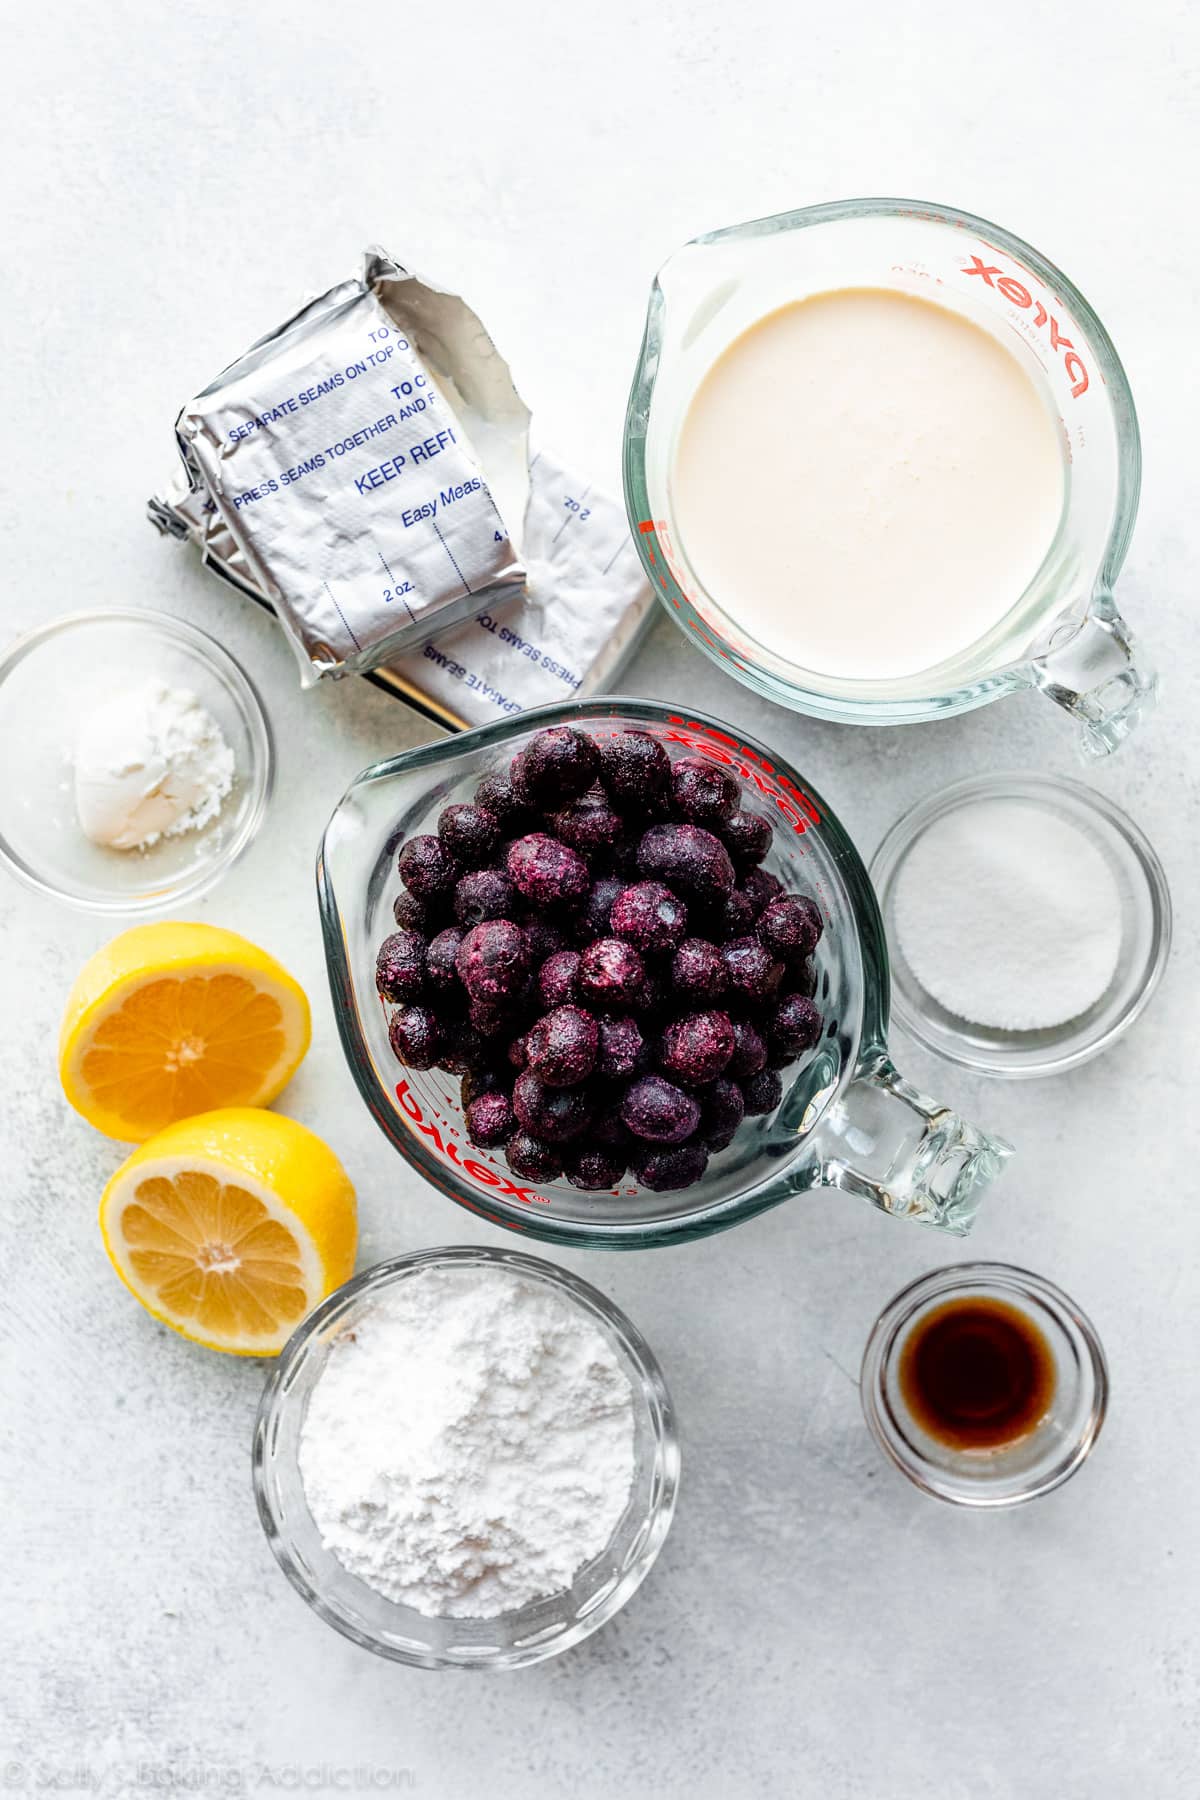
(848, 1121)
(1043, 1459)
(1145, 931)
(542, 1629)
(48, 680)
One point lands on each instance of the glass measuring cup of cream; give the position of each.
(882, 463)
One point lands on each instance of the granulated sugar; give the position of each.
(469, 1446)
(1008, 915)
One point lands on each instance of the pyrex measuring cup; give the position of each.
(848, 1121)
(1064, 633)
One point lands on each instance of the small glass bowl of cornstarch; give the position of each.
(466, 1458)
(140, 760)
(1028, 922)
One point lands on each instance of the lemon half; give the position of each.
(231, 1227)
(173, 1019)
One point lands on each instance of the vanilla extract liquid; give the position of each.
(977, 1374)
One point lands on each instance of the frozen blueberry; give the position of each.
(415, 1037)
(470, 833)
(492, 1018)
(687, 857)
(696, 1048)
(790, 927)
(558, 980)
(761, 887)
(493, 961)
(482, 1081)
(698, 971)
(649, 916)
(592, 919)
(593, 1166)
(518, 1052)
(484, 894)
(561, 1048)
(428, 870)
(731, 917)
(702, 791)
(497, 796)
(652, 999)
(739, 914)
(635, 769)
(749, 1051)
(656, 1109)
(441, 972)
(544, 941)
(400, 966)
(621, 1049)
(553, 1114)
(558, 764)
(754, 974)
(665, 1171)
(747, 837)
(410, 913)
(531, 1158)
(621, 861)
(722, 1110)
(763, 1092)
(588, 824)
(609, 1128)
(546, 871)
(520, 787)
(463, 1047)
(490, 1120)
(794, 1026)
(611, 973)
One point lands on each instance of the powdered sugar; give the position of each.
(469, 1446)
(1009, 915)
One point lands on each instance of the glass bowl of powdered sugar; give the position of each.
(1028, 922)
(139, 760)
(466, 1458)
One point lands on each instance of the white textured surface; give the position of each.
(177, 176)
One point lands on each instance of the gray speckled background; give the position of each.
(176, 178)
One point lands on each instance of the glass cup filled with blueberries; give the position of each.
(614, 975)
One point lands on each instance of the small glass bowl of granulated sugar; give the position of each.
(1028, 922)
(466, 1458)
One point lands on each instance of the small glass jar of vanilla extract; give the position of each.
(985, 1384)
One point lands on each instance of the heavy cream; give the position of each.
(866, 482)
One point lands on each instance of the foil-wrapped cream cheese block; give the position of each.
(364, 468)
(567, 633)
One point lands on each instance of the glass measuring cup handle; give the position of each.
(905, 1153)
(1089, 669)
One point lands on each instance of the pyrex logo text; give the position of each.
(795, 804)
(1016, 292)
(482, 1174)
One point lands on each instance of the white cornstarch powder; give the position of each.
(150, 762)
(1008, 915)
(469, 1445)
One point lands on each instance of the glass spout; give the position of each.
(1090, 670)
(907, 1154)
